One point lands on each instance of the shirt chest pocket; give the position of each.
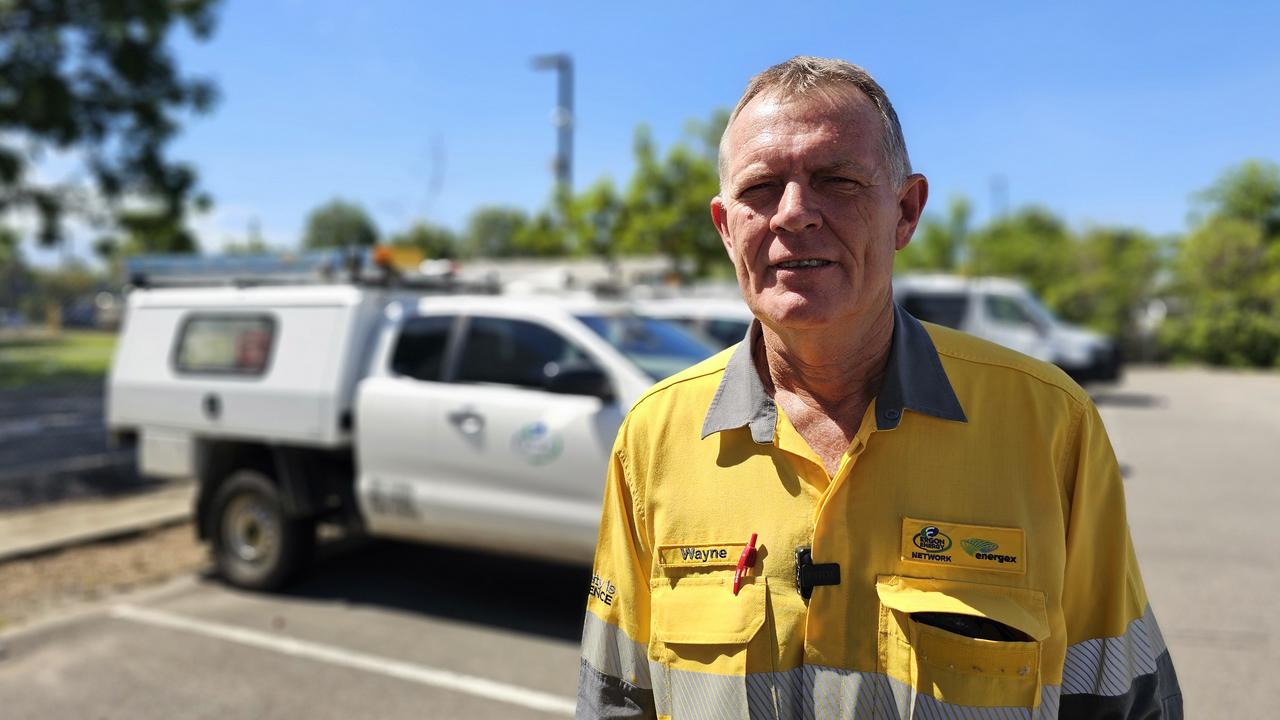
(955, 668)
(704, 640)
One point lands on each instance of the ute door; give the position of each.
(479, 451)
(397, 412)
(535, 459)
(1008, 323)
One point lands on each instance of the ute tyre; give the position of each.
(256, 546)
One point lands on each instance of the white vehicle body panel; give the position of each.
(319, 343)
(513, 469)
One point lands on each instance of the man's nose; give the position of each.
(796, 211)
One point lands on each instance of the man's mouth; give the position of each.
(810, 263)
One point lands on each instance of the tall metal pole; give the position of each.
(563, 116)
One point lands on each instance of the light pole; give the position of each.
(563, 116)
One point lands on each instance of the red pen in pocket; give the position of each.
(746, 560)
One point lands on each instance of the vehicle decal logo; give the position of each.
(932, 540)
(536, 443)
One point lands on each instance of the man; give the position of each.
(851, 514)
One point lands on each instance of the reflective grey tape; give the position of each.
(607, 649)
(816, 693)
(1150, 696)
(601, 697)
(661, 675)
(1108, 666)
(704, 696)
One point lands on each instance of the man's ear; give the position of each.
(720, 218)
(911, 201)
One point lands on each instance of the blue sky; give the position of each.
(1106, 113)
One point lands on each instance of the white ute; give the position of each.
(481, 421)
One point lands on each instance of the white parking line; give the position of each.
(434, 677)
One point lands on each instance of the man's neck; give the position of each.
(827, 369)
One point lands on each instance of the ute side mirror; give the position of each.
(581, 379)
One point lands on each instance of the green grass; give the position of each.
(71, 356)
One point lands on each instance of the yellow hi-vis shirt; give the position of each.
(976, 525)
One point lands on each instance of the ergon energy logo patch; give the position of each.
(978, 547)
(932, 540)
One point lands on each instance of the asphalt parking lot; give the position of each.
(400, 631)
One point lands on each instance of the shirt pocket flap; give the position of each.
(1016, 607)
(704, 611)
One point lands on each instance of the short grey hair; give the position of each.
(803, 74)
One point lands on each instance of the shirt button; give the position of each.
(891, 414)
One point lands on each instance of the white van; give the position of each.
(1005, 312)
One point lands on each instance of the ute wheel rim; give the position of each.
(251, 530)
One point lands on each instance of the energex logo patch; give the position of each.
(982, 549)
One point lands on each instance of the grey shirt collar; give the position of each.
(914, 380)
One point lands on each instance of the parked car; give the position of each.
(722, 321)
(480, 421)
(1006, 312)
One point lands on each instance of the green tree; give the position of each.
(433, 241)
(593, 219)
(1108, 281)
(99, 79)
(666, 206)
(1228, 292)
(1032, 244)
(1227, 274)
(15, 277)
(492, 230)
(542, 236)
(1249, 192)
(938, 243)
(338, 224)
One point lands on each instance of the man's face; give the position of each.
(809, 212)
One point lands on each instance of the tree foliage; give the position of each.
(338, 224)
(492, 230)
(434, 241)
(1249, 192)
(1032, 244)
(97, 79)
(1108, 281)
(1227, 275)
(938, 242)
(666, 205)
(593, 220)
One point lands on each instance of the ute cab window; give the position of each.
(420, 348)
(515, 352)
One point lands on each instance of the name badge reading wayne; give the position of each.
(703, 555)
(979, 547)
